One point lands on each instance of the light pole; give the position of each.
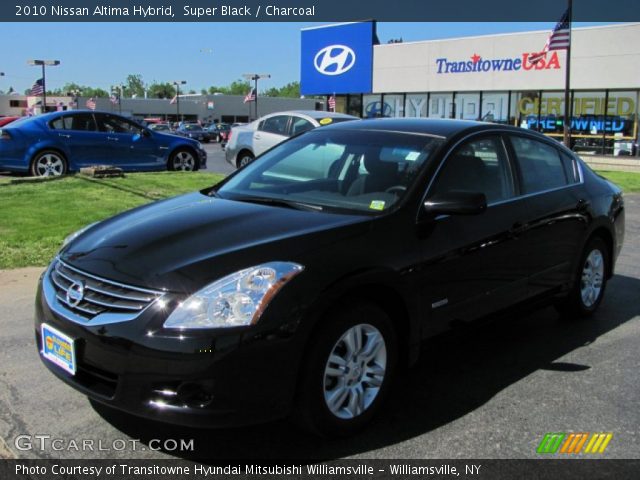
(43, 63)
(177, 83)
(255, 77)
(120, 90)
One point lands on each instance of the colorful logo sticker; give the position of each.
(325, 121)
(574, 442)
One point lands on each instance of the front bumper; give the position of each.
(202, 157)
(201, 379)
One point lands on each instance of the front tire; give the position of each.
(182, 160)
(48, 163)
(348, 372)
(587, 294)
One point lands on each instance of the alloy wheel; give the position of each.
(354, 371)
(591, 281)
(49, 165)
(184, 161)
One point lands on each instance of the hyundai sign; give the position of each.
(337, 59)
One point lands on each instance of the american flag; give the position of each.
(332, 103)
(174, 100)
(114, 99)
(560, 38)
(91, 104)
(38, 88)
(251, 96)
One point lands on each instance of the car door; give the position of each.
(474, 264)
(129, 147)
(557, 209)
(79, 134)
(270, 132)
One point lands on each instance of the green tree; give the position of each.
(134, 85)
(161, 90)
(70, 87)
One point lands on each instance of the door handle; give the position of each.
(113, 139)
(64, 135)
(256, 136)
(517, 229)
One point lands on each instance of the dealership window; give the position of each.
(341, 104)
(495, 107)
(416, 105)
(354, 105)
(527, 104)
(17, 103)
(621, 129)
(467, 106)
(441, 105)
(393, 104)
(372, 106)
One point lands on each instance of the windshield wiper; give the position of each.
(278, 202)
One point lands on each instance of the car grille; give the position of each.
(99, 295)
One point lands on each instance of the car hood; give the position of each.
(184, 243)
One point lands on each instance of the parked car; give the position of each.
(300, 283)
(219, 131)
(160, 127)
(194, 131)
(7, 120)
(61, 142)
(246, 142)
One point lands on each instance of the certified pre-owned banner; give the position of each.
(310, 10)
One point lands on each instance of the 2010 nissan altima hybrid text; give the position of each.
(302, 282)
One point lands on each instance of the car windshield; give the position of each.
(335, 170)
(192, 128)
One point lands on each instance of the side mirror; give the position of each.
(146, 133)
(456, 203)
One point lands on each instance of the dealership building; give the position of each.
(488, 78)
(202, 108)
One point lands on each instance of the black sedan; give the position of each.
(302, 282)
(194, 131)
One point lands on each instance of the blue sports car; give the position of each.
(62, 142)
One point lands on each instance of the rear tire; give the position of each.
(348, 371)
(182, 160)
(591, 279)
(48, 163)
(244, 158)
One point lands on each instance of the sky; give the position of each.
(203, 54)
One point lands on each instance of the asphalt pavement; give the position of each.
(488, 392)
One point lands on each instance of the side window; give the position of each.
(111, 124)
(82, 122)
(277, 125)
(540, 165)
(57, 124)
(479, 165)
(299, 125)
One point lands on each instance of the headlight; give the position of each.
(75, 235)
(200, 146)
(235, 300)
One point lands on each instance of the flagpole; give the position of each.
(567, 87)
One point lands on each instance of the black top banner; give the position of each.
(314, 10)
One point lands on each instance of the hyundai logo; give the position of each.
(334, 60)
(378, 109)
(75, 293)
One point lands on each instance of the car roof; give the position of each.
(430, 126)
(315, 114)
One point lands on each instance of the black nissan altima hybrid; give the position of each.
(300, 284)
